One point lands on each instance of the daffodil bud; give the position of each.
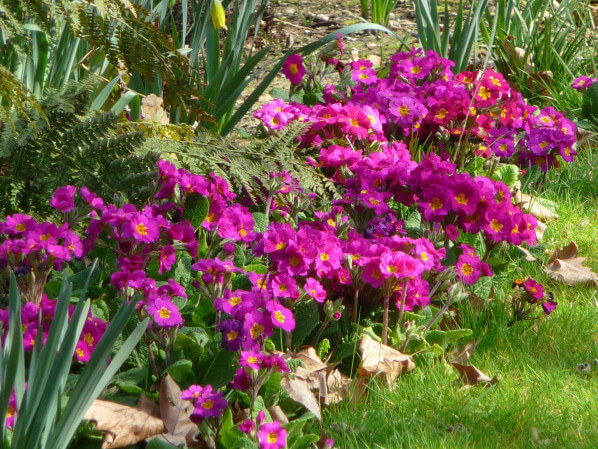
(218, 17)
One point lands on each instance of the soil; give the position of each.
(294, 23)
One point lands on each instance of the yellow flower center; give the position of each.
(466, 269)
(242, 232)
(484, 93)
(21, 227)
(293, 69)
(436, 204)
(354, 122)
(208, 405)
(88, 338)
(294, 261)
(462, 199)
(272, 437)
(256, 330)
(234, 300)
(232, 335)
(424, 256)
(392, 269)
(141, 229)
(494, 224)
(376, 274)
(324, 257)
(404, 111)
(164, 313)
(281, 245)
(45, 237)
(80, 352)
(210, 218)
(282, 287)
(442, 113)
(416, 69)
(279, 316)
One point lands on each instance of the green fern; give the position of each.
(71, 148)
(245, 164)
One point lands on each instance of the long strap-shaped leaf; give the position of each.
(306, 49)
(96, 375)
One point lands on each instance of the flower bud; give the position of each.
(218, 17)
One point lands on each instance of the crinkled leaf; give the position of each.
(196, 209)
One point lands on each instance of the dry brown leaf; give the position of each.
(122, 425)
(531, 205)
(470, 375)
(464, 354)
(540, 230)
(331, 385)
(176, 412)
(528, 256)
(278, 414)
(378, 359)
(300, 392)
(152, 110)
(566, 267)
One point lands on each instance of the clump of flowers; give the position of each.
(269, 435)
(582, 83)
(527, 295)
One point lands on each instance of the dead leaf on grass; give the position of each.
(470, 375)
(528, 255)
(566, 267)
(378, 359)
(331, 385)
(462, 355)
(176, 415)
(532, 205)
(122, 425)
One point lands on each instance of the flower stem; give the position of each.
(385, 320)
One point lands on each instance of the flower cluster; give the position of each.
(269, 435)
(421, 99)
(207, 403)
(93, 329)
(32, 250)
(532, 292)
(582, 83)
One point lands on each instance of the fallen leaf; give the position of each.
(300, 392)
(463, 354)
(378, 359)
(278, 414)
(533, 206)
(122, 425)
(331, 385)
(176, 414)
(540, 230)
(470, 375)
(528, 256)
(152, 110)
(566, 267)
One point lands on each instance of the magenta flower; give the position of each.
(534, 289)
(64, 199)
(314, 289)
(164, 312)
(166, 259)
(293, 69)
(549, 306)
(207, 403)
(272, 436)
(11, 411)
(281, 316)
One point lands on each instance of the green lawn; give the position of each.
(542, 401)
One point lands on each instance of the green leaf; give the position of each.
(256, 268)
(413, 223)
(196, 209)
(261, 221)
(507, 173)
(241, 282)
(180, 370)
(444, 338)
(304, 441)
(157, 443)
(307, 318)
